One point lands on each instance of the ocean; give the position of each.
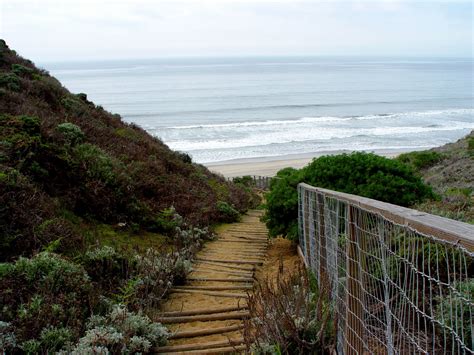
(220, 109)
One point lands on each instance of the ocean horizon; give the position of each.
(223, 109)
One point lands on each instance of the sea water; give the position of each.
(219, 109)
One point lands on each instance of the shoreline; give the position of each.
(269, 166)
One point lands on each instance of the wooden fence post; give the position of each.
(323, 275)
(354, 312)
(307, 241)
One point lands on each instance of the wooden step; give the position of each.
(225, 261)
(203, 346)
(204, 268)
(219, 351)
(224, 265)
(211, 293)
(204, 332)
(202, 311)
(219, 279)
(204, 317)
(214, 288)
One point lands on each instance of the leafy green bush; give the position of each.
(21, 70)
(363, 174)
(19, 138)
(10, 81)
(71, 133)
(420, 160)
(246, 180)
(470, 145)
(228, 213)
(98, 164)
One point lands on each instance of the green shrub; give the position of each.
(74, 105)
(21, 70)
(282, 204)
(19, 138)
(120, 332)
(71, 133)
(453, 311)
(470, 145)
(167, 221)
(228, 212)
(10, 81)
(97, 163)
(246, 180)
(420, 160)
(46, 290)
(361, 174)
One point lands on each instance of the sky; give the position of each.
(67, 30)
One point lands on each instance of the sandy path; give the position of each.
(245, 243)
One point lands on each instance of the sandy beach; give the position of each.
(269, 166)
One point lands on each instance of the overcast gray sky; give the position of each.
(49, 30)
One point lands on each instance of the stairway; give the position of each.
(205, 316)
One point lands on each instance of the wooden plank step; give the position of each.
(202, 311)
(203, 346)
(236, 349)
(239, 256)
(202, 268)
(204, 317)
(236, 240)
(220, 279)
(247, 238)
(214, 288)
(226, 350)
(251, 262)
(204, 332)
(251, 268)
(211, 293)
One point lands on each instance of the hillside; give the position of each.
(449, 170)
(63, 158)
(98, 219)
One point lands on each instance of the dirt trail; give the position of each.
(205, 316)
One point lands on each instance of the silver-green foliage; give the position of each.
(120, 331)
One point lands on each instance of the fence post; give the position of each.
(307, 243)
(323, 282)
(354, 313)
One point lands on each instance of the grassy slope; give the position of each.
(52, 180)
(449, 169)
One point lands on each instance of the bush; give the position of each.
(246, 180)
(420, 160)
(454, 311)
(10, 81)
(361, 174)
(120, 332)
(228, 213)
(71, 133)
(291, 316)
(21, 70)
(470, 145)
(42, 295)
(97, 163)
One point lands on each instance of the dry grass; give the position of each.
(289, 316)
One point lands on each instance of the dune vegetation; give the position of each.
(97, 219)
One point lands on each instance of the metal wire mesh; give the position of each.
(394, 289)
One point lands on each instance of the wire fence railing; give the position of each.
(401, 281)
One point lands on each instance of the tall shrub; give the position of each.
(363, 174)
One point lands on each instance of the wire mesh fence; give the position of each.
(402, 281)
